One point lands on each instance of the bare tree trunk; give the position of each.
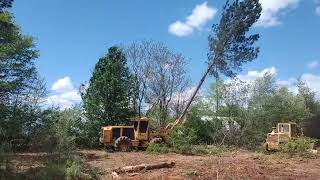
(196, 91)
(217, 92)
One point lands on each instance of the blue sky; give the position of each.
(71, 36)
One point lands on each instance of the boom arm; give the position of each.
(180, 119)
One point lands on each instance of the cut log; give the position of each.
(129, 169)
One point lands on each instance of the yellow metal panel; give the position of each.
(141, 136)
(107, 136)
(135, 143)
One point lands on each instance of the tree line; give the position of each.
(239, 113)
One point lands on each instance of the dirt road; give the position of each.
(229, 165)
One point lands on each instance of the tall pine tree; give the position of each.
(107, 100)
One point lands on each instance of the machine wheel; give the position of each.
(157, 140)
(109, 148)
(123, 144)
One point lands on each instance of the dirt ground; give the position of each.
(229, 165)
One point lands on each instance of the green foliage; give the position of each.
(17, 55)
(21, 90)
(192, 173)
(207, 132)
(273, 105)
(77, 171)
(190, 149)
(246, 113)
(54, 135)
(156, 148)
(301, 145)
(216, 93)
(108, 99)
(69, 169)
(5, 4)
(229, 45)
(311, 126)
(181, 139)
(207, 150)
(51, 171)
(57, 136)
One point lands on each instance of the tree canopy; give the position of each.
(107, 100)
(20, 86)
(230, 46)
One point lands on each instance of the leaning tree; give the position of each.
(230, 44)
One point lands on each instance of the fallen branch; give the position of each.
(128, 169)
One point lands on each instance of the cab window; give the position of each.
(115, 133)
(128, 132)
(143, 126)
(284, 128)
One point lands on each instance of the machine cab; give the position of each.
(289, 129)
(141, 128)
(282, 133)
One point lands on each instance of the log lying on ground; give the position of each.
(129, 169)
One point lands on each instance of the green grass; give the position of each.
(193, 173)
(155, 148)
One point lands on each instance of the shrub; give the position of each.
(68, 169)
(299, 145)
(181, 139)
(155, 148)
(51, 170)
(76, 171)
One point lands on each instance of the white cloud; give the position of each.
(253, 75)
(313, 64)
(63, 94)
(180, 29)
(201, 14)
(62, 85)
(271, 9)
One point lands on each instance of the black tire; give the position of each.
(109, 148)
(157, 140)
(123, 144)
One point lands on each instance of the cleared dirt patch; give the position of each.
(229, 165)
(238, 164)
